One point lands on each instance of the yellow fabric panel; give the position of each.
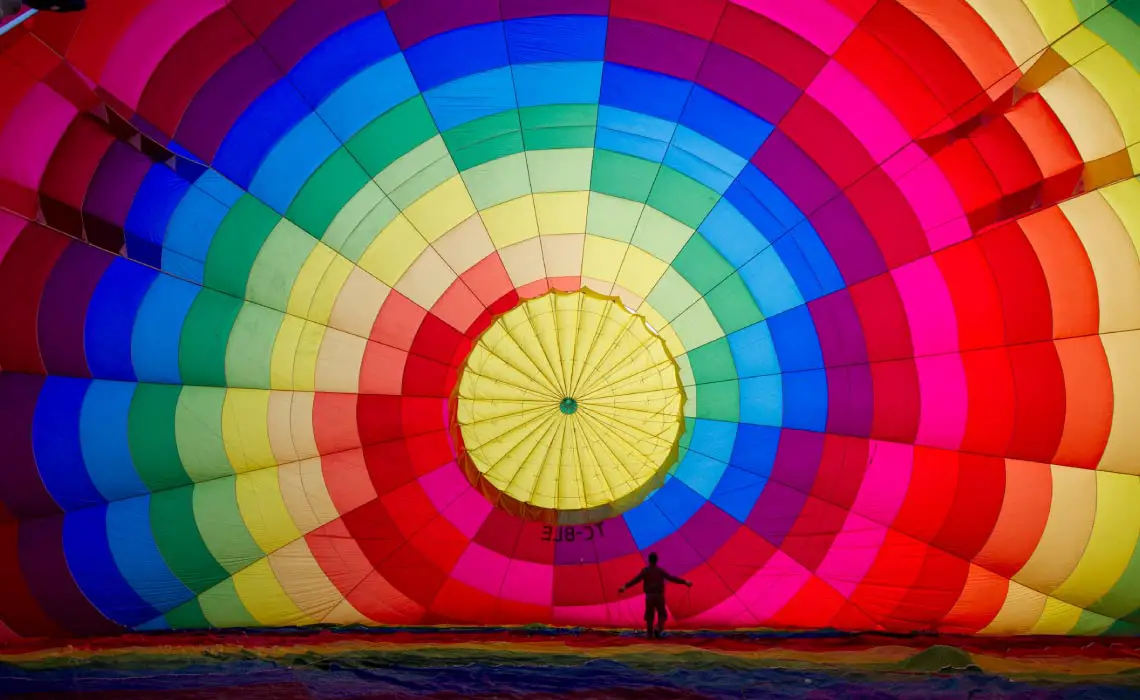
(261, 593)
(1084, 113)
(368, 208)
(344, 614)
(1113, 257)
(661, 235)
(407, 174)
(561, 212)
(1057, 617)
(1124, 198)
(263, 509)
(1134, 156)
(305, 361)
(563, 254)
(308, 279)
(697, 325)
(640, 271)
(1019, 613)
(1067, 531)
(1123, 351)
(339, 362)
(442, 209)
(245, 429)
(613, 217)
(304, 581)
(393, 251)
(1119, 84)
(426, 279)
(1015, 25)
(285, 353)
(1078, 45)
(305, 495)
(465, 245)
(1055, 17)
(301, 413)
(602, 259)
(358, 303)
(280, 422)
(1112, 542)
(511, 222)
(197, 410)
(524, 262)
(328, 290)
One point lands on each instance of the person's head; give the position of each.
(653, 558)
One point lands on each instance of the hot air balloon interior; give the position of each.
(393, 314)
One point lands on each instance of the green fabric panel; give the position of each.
(188, 616)
(1121, 628)
(661, 236)
(1118, 30)
(223, 608)
(619, 175)
(566, 170)
(326, 193)
(720, 401)
(487, 151)
(152, 438)
(1123, 599)
(251, 347)
(686, 369)
(236, 244)
(277, 267)
(701, 264)
(672, 295)
(697, 326)
(486, 139)
(202, 347)
(713, 362)
(682, 197)
(390, 136)
(366, 231)
(1130, 9)
(733, 305)
(198, 421)
(1087, 8)
(362, 205)
(219, 520)
(497, 181)
(417, 172)
(174, 529)
(612, 217)
(1090, 623)
(564, 137)
(558, 116)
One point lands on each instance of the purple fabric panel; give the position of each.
(775, 512)
(412, 22)
(515, 9)
(115, 183)
(794, 173)
(21, 488)
(616, 542)
(850, 400)
(797, 459)
(49, 579)
(654, 48)
(63, 310)
(223, 99)
(852, 247)
(747, 83)
(677, 555)
(309, 22)
(839, 330)
(708, 530)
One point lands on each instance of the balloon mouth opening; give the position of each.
(568, 406)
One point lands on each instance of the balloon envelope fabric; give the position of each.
(882, 257)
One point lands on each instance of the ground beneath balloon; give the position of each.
(534, 663)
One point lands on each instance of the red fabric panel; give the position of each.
(990, 389)
(1024, 291)
(771, 45)
(889, 218)
(695, 17)
(883, 317)
(18, 609)
(1088, 401)
(897, 401)
(813, 533)
(930, 493)
(974, 292)
(977, 502)
(581, 584)
(826, 141)
(23, 273)
(1039, 419)
(841, 470)
(935, 591)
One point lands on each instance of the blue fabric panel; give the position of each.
(703, 160)
(633, 134)
(343, 55)
(138, 557)
(216, 186)
(556, 38)
(458, 53)
(367, 96)
(699, 472)
(737, 491)
(158, 197)
(158, 330)
(191, 231)
(770, 284)
(713, 438)
(264, 123)
(753, 351)
(642, 91)
(796, 341)
(726, 123)
(661, 514)
(678, 502)
(755, 186)
(55, 439)
(805, 400)
(814, 269)
(103, 428)
(89, 559)
(732, 235)
(755, 449)
(557, 83)
(762, 400)
(111, 318)
(292, 162)
(470, 98)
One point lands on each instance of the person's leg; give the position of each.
(662, 615)
(649, 609)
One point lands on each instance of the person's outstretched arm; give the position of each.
(634, 581)
(674, 579)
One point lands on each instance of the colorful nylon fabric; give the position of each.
(887, 248)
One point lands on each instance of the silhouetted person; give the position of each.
(652, 579)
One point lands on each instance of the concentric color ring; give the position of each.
(247, 248)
